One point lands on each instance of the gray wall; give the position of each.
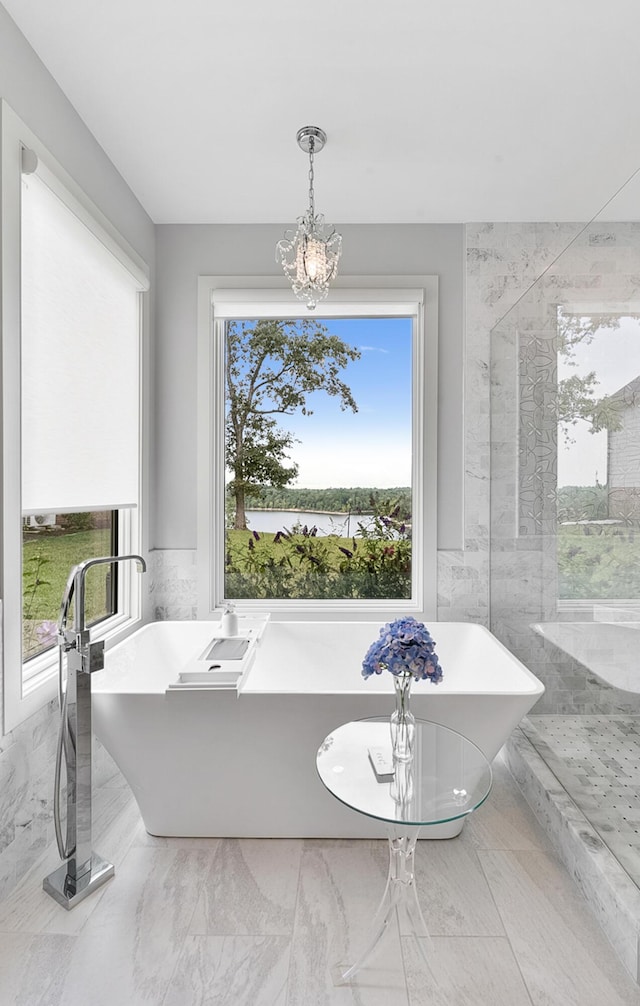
(185, 252)
(27, 753)
(29, 88)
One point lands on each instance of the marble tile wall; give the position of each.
(599, 271)
(27, 760)
(502, 261)
(173, 584)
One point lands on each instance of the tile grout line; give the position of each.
(502, 921)
(294, 924)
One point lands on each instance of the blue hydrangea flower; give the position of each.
(404, 647)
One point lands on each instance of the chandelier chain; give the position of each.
(312, 209)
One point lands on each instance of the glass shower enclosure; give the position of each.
(565, 504)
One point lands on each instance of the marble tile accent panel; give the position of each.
(611, 894)
(173, 584)
(26, 792)
(27, 759)
(250, 888)
(128, 950)
(542, 911)
(339, 891)
(453, 891)
(230, 971)
(461, 576)
(465, 972)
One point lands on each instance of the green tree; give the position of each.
(272, 366)
(577, 398)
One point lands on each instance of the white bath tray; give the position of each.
(213, 678)
(227, 648)
(225, 661)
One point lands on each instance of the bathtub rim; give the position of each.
(527, 682)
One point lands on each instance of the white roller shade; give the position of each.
(80, 364)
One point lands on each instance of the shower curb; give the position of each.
(611, 893)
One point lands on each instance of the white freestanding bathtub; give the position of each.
(207, 757)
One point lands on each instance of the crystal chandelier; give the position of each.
(310, 256)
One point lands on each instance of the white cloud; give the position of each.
(372, 349)
(352, 462)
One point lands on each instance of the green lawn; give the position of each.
(47, 561)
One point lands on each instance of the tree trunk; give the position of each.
(240, 523)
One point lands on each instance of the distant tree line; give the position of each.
(340, 500)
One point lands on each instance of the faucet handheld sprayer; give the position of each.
(83, 870)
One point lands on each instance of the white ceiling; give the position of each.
(455, 110)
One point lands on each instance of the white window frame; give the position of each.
(26, 692)
(223, 297)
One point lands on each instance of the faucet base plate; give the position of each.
(68, 891)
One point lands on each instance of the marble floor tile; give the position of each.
(28, 909)
(339, 891)
(29, 966)
(128, 949)
(465, 971)
(564, 957)
(504, 821)
(250, 888)
(230, 971)
(187, 922)
(453, 890)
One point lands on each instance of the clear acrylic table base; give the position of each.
(399, 897)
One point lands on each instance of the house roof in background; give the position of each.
(435, 111)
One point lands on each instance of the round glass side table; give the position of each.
(447, 779)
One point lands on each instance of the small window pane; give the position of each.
(51, 545)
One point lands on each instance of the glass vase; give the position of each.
(403, 724)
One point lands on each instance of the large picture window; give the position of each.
(318, 434)
(318, 493)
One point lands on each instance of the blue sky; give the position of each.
(373, 446)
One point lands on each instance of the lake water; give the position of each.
(343, 524)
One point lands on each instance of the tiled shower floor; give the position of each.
(597, 760)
